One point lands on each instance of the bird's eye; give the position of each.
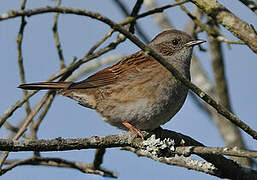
(175, 41)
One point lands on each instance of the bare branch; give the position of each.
(57, 162)
(20, 57)
(56, 37)
(14, 130)
(186, 151)
(59, 144)
(97, 44)
(180, 161)
(134, 13)
(99, 154)
(158, 10)
(44, 111)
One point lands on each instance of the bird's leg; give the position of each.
(133, 129)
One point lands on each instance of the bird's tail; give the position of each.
(45, 85)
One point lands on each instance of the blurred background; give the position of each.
(67, 119)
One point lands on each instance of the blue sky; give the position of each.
(67, 119)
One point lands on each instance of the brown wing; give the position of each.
(101, 78)
(129, 66)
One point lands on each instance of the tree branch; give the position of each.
(57, 39)
(186, 151)
(99, 154)
(20, 57)
(134, 13)
(57, 162)
(180, 161)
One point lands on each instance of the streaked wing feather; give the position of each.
(130, 64)
(101, 78)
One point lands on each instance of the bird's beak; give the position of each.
(194, 42)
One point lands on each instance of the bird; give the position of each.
(137, 93)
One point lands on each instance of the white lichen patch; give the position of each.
(154, 145)
(202, 94)
(5, 15)
(235, 148)
(196, 163)
(228, 20)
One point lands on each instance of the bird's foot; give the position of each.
(133, 129)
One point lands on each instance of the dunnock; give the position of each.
(137, 93)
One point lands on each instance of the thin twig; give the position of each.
(14, 130)
(57, 162)
(134, 13)
(56, 37)
(161, 9)
(44, 111)
(20, 57)
(215, 150)
(99, 154)
(98, 43)
(20, 62)
(228, 41)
